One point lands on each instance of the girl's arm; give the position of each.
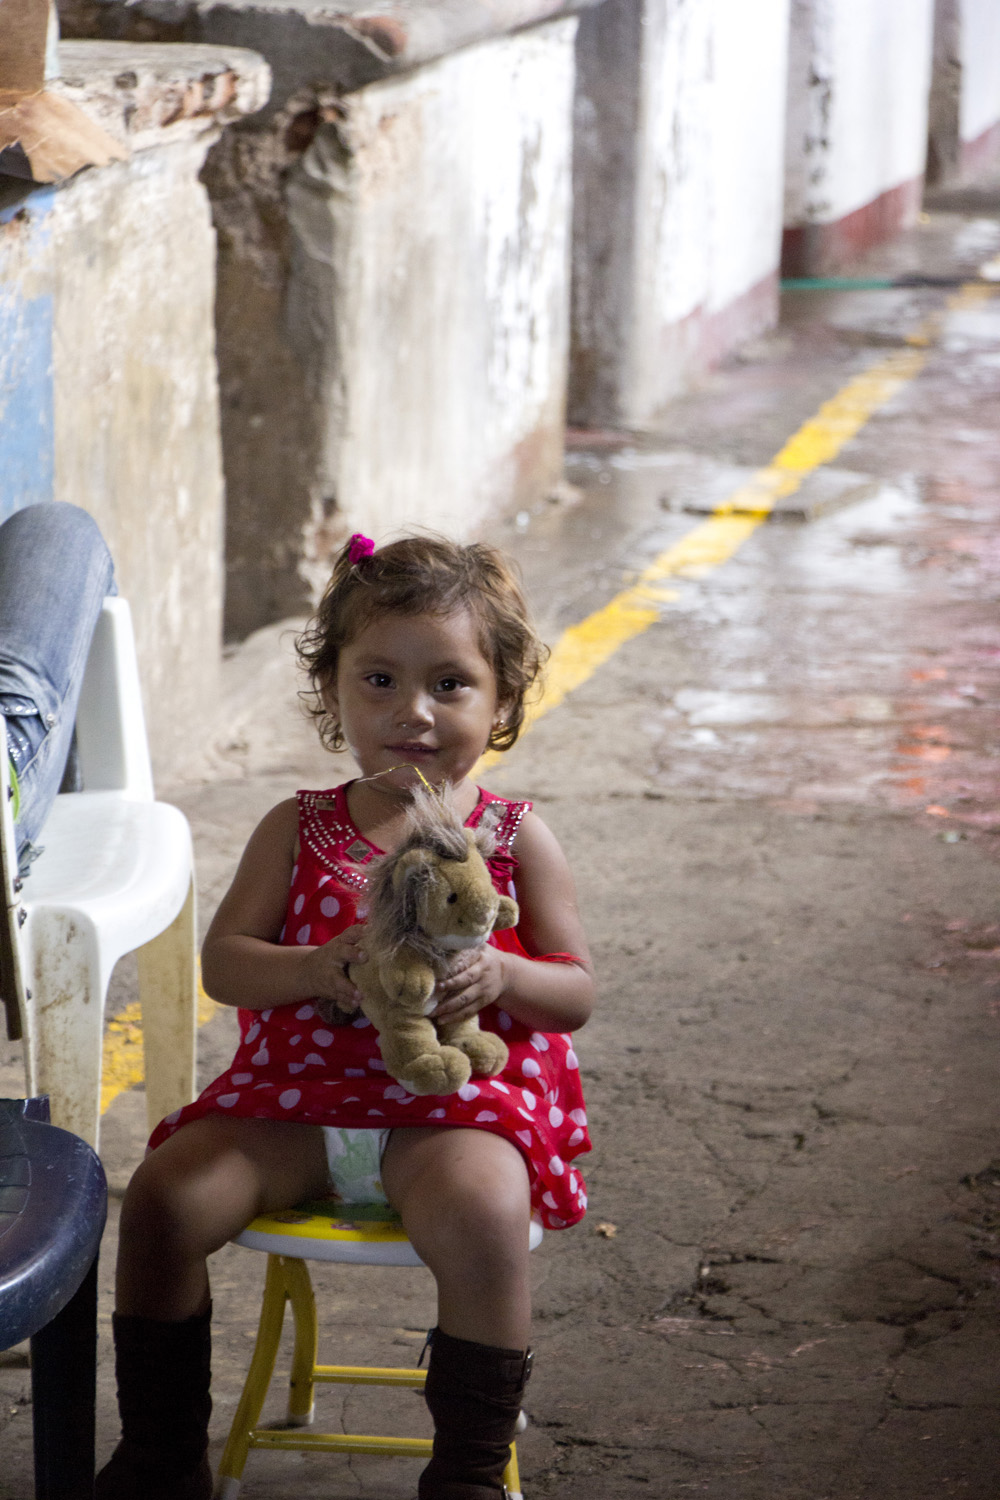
(242, 962)
(545, 996)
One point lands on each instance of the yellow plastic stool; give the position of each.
(371, 1236)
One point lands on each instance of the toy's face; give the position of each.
(459, 903)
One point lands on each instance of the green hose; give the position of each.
(868, 283)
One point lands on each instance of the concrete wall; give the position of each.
(856, 141)
(108, 391)
(677, 180)
(392, 312)
(430, 251)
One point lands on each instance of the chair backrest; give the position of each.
(113, 755)
(110, 726)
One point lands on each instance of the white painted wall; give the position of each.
(980, 52)
(708, 191)
(433, 230)
(747, 143)
(859, 77)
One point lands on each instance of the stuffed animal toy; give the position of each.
(429, 902)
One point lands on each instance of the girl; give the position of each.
(419, 659)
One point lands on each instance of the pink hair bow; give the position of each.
(359, 547)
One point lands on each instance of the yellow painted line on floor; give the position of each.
(122, 1055)
(582, 648)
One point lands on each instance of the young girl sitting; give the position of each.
(419, 657)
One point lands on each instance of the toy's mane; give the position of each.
(432, 823)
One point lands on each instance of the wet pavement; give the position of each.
(782, 802)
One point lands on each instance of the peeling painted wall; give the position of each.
(107, 385)
(678, 203)
(430, 245)
(859, 81)
(393, 309)
(26, 426)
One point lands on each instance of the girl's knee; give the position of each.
(171, 1206)
(483, 1228)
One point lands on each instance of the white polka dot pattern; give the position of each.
(339, 1075)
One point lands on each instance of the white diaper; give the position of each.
(354, 1158)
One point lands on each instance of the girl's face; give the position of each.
(416, 690)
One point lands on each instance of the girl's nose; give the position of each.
(416, 712)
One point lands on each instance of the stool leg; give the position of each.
(301, 1389)
(511, 1477)
(272, 1316)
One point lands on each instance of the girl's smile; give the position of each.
(416, 689)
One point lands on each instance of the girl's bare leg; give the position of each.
(464, 1199)
(196, 1191)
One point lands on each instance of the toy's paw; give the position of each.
(441, 1072)
(486, 1052)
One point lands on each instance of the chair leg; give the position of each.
(63, 1373)
(168, 990)
(65, 1018)
(301, 1390)
(272, 1317)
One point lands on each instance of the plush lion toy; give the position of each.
(428, 902)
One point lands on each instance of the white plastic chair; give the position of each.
(115, 876)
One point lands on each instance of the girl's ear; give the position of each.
(328, 696)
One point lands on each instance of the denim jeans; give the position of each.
(55, 570)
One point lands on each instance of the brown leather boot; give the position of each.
(164, 1373)
(474, 1393)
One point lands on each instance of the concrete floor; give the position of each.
(783, 808)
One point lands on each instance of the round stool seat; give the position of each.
(362, 1234)
(365, 1234)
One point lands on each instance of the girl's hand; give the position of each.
(480, 981)
(325, 968)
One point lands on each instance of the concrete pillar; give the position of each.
(108, 392)
(677, 196)
(393, 272)
(944, 107)
(856, 143)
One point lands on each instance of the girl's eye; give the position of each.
(449, 684)
(379, 679)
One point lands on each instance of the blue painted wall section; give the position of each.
(27, 437)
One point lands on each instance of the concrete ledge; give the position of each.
(344, 46)
(107, 353)
(146, 95)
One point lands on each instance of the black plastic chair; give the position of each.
(53, 1203)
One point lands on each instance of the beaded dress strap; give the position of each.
(332, 839)
(508, 822)
(334, 842)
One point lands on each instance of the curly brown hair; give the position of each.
(425, 575)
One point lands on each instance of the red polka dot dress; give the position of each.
(290, 1065)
